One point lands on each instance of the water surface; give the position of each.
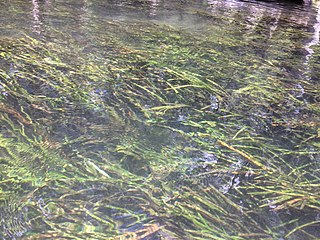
(159, 119)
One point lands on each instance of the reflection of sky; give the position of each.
(36, 17)
(316, 33)
(226, 3)
(314, 41)
(153, 7)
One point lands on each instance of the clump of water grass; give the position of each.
(151, 137)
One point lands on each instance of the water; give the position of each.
(159, 120)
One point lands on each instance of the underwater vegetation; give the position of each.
(151, 132)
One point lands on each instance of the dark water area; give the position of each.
(158, 119)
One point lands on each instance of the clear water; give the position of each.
(112, 113)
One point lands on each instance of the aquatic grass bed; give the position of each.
(155, 133)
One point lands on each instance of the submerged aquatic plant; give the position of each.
(151, 137)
